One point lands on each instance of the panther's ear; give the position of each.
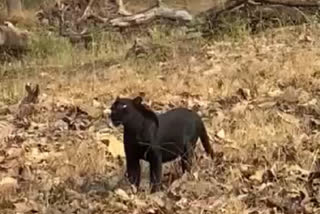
(137, 100)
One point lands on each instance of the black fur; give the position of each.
(157, 138)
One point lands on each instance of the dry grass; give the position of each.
(84, 160)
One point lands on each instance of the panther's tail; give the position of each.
(205, 140)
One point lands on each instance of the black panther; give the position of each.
(157, 138)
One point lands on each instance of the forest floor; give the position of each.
(258, 95)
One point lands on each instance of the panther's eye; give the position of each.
(122, 106)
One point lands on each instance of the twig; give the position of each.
(99, 18)
(122, 10)
(86, 12)
(159, 3)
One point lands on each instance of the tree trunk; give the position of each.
(14, 7)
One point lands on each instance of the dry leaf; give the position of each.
(157, 198)
(8, 185)
(289, 118)
(123, 195)
(239, 108)
(14, 153)
(114, 146)
(258, 176)
(140, 203)
(6, 129)
(119, 205)
(275, 93)
(245, 93)
(92, 110)
(151, 211)
(96, 103)
(196, 176)
(182, 203)
(221, 134)
(25, 207)
(2, 158)
(267, 104)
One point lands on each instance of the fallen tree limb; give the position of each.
(13, 41)
(228, 5)
(257, 15)
(151, 14)
(121, 9)
(231, 4)
(292, 3)
(86, 12)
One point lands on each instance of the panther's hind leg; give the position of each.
(187, 156)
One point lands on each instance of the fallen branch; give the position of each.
(86, 12)
(151, 14)
(292, 3)
(13, 41)
(227, 6)
(75, 37)
(121, 9)
(231, 4)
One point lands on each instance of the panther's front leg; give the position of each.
(133, 171)
(155, 160)
(132, 161)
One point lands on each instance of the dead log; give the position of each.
(232, 4)
(13, 41)
(151, 14)
(11, 36)
(158, 11)
(220, 8)
(258, 14)
(292, 3)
